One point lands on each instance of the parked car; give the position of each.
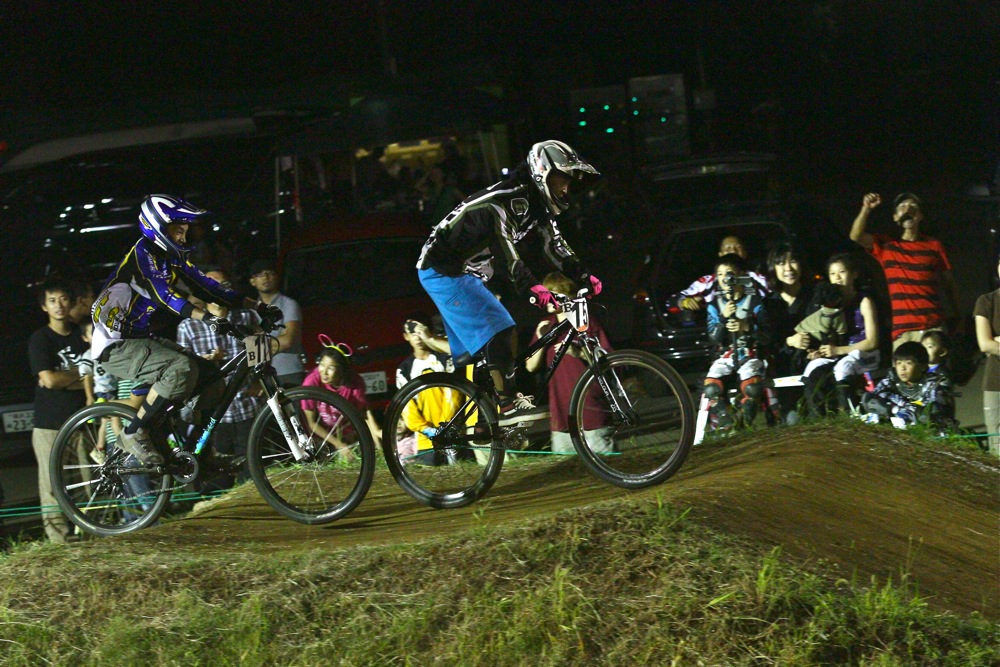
(697, 203)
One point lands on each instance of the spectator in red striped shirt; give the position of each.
(914, 264)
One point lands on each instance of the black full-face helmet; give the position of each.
(548, 155)
(158, 211)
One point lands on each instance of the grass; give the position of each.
(625, 582)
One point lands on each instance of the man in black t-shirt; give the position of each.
(55, 351)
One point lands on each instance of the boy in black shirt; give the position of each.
(56, 352)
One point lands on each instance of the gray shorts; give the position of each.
(155, 361)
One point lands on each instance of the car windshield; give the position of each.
(83, 210)
(354, 272)
(692, 253)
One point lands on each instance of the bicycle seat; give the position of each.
(466, 359)
(141, 389)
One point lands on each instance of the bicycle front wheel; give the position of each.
(440, 440)
(339, 463)
(637, 429)
(110, 494)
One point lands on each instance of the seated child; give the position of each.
(567, 373)
(737, 324)
(433, 406)
(827, 324)
(334, 373)
(910, 392)
(937, 345)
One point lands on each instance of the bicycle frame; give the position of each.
(595, 354)
(265, 373)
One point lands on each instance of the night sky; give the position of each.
(868, 79)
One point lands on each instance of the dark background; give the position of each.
(904, 89)
(853, 96)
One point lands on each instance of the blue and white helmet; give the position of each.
(157, 212)
(548, 155)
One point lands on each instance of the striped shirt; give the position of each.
(911, 273)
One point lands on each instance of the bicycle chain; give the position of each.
(155, 492)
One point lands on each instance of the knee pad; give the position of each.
(712, 388)
(752, 389)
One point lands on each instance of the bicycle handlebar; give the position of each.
(267, 325)
(564, 303)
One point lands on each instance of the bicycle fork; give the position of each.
(615, 395)
(291, 428)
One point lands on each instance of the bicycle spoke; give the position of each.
(337, 467)
(632, 419)
(430, 440)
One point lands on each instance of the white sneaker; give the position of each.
(140, 446)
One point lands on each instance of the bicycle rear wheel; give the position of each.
(460, 463)
(647, 439)
(340, 463)
(109, 497)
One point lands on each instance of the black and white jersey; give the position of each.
(490, 223)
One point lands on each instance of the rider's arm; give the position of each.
(159, 285)
(213, 291)
(558, 250)
(519, 272)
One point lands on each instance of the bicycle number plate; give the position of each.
(579, 316)
(258, 349)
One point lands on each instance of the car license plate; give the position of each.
(17, 421)
(375, 382)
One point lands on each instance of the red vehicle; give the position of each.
(356, 282)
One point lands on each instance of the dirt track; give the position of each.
(871, 506)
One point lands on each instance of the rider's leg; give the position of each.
(499, 353)
(209, 388)
(172, 374)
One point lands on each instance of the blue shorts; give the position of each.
(472, 314)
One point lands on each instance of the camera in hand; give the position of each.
(410, 326)
(732, 281)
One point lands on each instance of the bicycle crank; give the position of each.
(183, 466)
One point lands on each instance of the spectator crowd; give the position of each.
(787, 347)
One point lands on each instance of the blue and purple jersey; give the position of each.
(145, 282)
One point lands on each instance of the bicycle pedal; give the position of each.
(513, 434)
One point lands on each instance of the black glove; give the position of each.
(268, 312)
(219, 325)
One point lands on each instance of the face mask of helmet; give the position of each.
(547, 156)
